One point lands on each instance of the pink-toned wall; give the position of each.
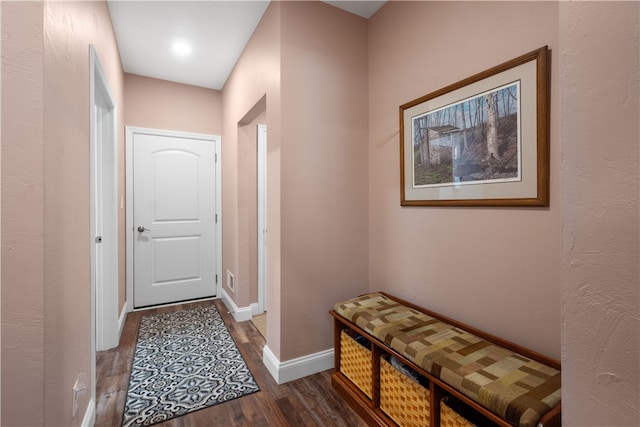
(23, 216)
(160, 104)
(576, 277)
(599, 59)
(248, 203)
(315, 81)
(69, 28)
(495, 268)
(324, 210)
(253, 89)
(562, 280)
(46, 228)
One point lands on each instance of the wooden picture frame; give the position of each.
(483, 141)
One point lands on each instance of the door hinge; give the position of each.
(216, 157)
(216, 279)
(216, 218)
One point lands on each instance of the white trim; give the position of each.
(89, 418)
(256, 309)
(261, 142)
(129, 215)
(218, 165)
(92, 362)
(122, 320)
(217, 141)
(300, 367)
(99, 88)
(239, 314)
(103, 204)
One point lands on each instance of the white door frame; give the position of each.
(130, 232)
(104, 214)
(262, 216)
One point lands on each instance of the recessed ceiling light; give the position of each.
(181, 47)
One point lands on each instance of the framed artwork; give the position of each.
(483, 141)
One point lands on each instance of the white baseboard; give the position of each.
(89, 418)
(122, 319)
(239, 314)
(294, 369)
(255, 309)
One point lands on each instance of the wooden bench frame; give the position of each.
(369, 409)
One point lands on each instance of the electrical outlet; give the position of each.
(78, 388)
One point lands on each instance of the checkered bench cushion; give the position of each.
(516, 388)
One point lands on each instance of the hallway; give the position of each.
(310, 401)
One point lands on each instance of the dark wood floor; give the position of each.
(309, 401)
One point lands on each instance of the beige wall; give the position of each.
(23, 216)
(324, 209)
(248, 202)
(568, 276)
(253, 88)
(66, 202)
(495, 268)
(562, 280)
(46, 269)
(160, 104)
(317, 168)
(600, 184)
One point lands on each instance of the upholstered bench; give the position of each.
(509, 384)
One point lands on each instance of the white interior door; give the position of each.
(105, 236)
(104, 209)
(174, 217)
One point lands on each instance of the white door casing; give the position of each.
(105, 233)
(104, 216)
(104, 207)
(172, 233)
(262, 216)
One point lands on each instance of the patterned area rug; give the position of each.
(184, 361)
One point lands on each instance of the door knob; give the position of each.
(141, 229)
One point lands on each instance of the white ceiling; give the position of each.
(217, 32)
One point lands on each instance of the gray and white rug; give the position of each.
(184, 361)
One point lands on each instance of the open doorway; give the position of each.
(259, 318)
(252, 212)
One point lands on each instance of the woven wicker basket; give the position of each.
(450, 418)
(402, 399)
(355, 362)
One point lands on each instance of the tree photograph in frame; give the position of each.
(483, 141)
